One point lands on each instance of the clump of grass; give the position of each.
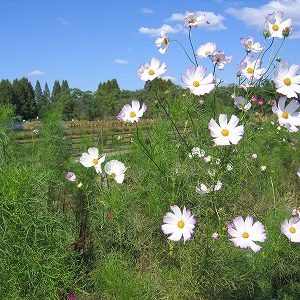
(36, 238)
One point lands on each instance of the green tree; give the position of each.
(55, 91)
(65, 87)
(107, 98)
(6, 92)
(24, 99)
(47, 95)
(39, 96)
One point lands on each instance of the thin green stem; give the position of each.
(259, 81)
(190, 39)
(186, 53)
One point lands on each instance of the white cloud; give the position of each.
(36, 73)
(121, 61)
(216, 22)
(165, 27)
(145, 10)
(255, 16)
(167, 77)
(63, 21)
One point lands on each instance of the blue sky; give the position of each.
(88, 41)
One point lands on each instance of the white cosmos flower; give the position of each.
(132, 113)
(151, 71)
(226, 132)
(116, 169)
(162, 43)
(242, 103)
(251, 68)
(286, 81)
(193, 19)
(203, 189)
(246, 233)
(291, 228)
(206, 50)
(179, 224)
(218, 58)
(91, 159)
(196, 81)
(249, 45)
(298, 172)
(275, 26)
(287, 115)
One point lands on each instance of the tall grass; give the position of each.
(104, 240)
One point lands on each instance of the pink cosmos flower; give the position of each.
(253, 99)
(261, 102)
(215, 236)
(249, 45)
(72, 296)
(193, 19)
(70, 176)
(246, 233)
(220, 59)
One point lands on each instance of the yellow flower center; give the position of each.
(241, 106)
(180, 224)
(245, 235)
(285, 115)
(207, 52)
(165, 41)
(95, 161)
(151, 72)
(196, 83)
(225, 132)
(113, 175)
(275, 27)
(250, 70)
(132, 114)
(287, 81)
(292, 230)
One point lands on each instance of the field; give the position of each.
(103, 240)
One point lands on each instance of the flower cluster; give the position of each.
(243, 233)
(114, 168)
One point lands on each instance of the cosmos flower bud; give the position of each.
(215, 236)
(266, 33)
(254, 156)
(286, 31)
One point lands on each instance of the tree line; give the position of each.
(30, 103)
(73, 103)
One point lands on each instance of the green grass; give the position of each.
(104, 240)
